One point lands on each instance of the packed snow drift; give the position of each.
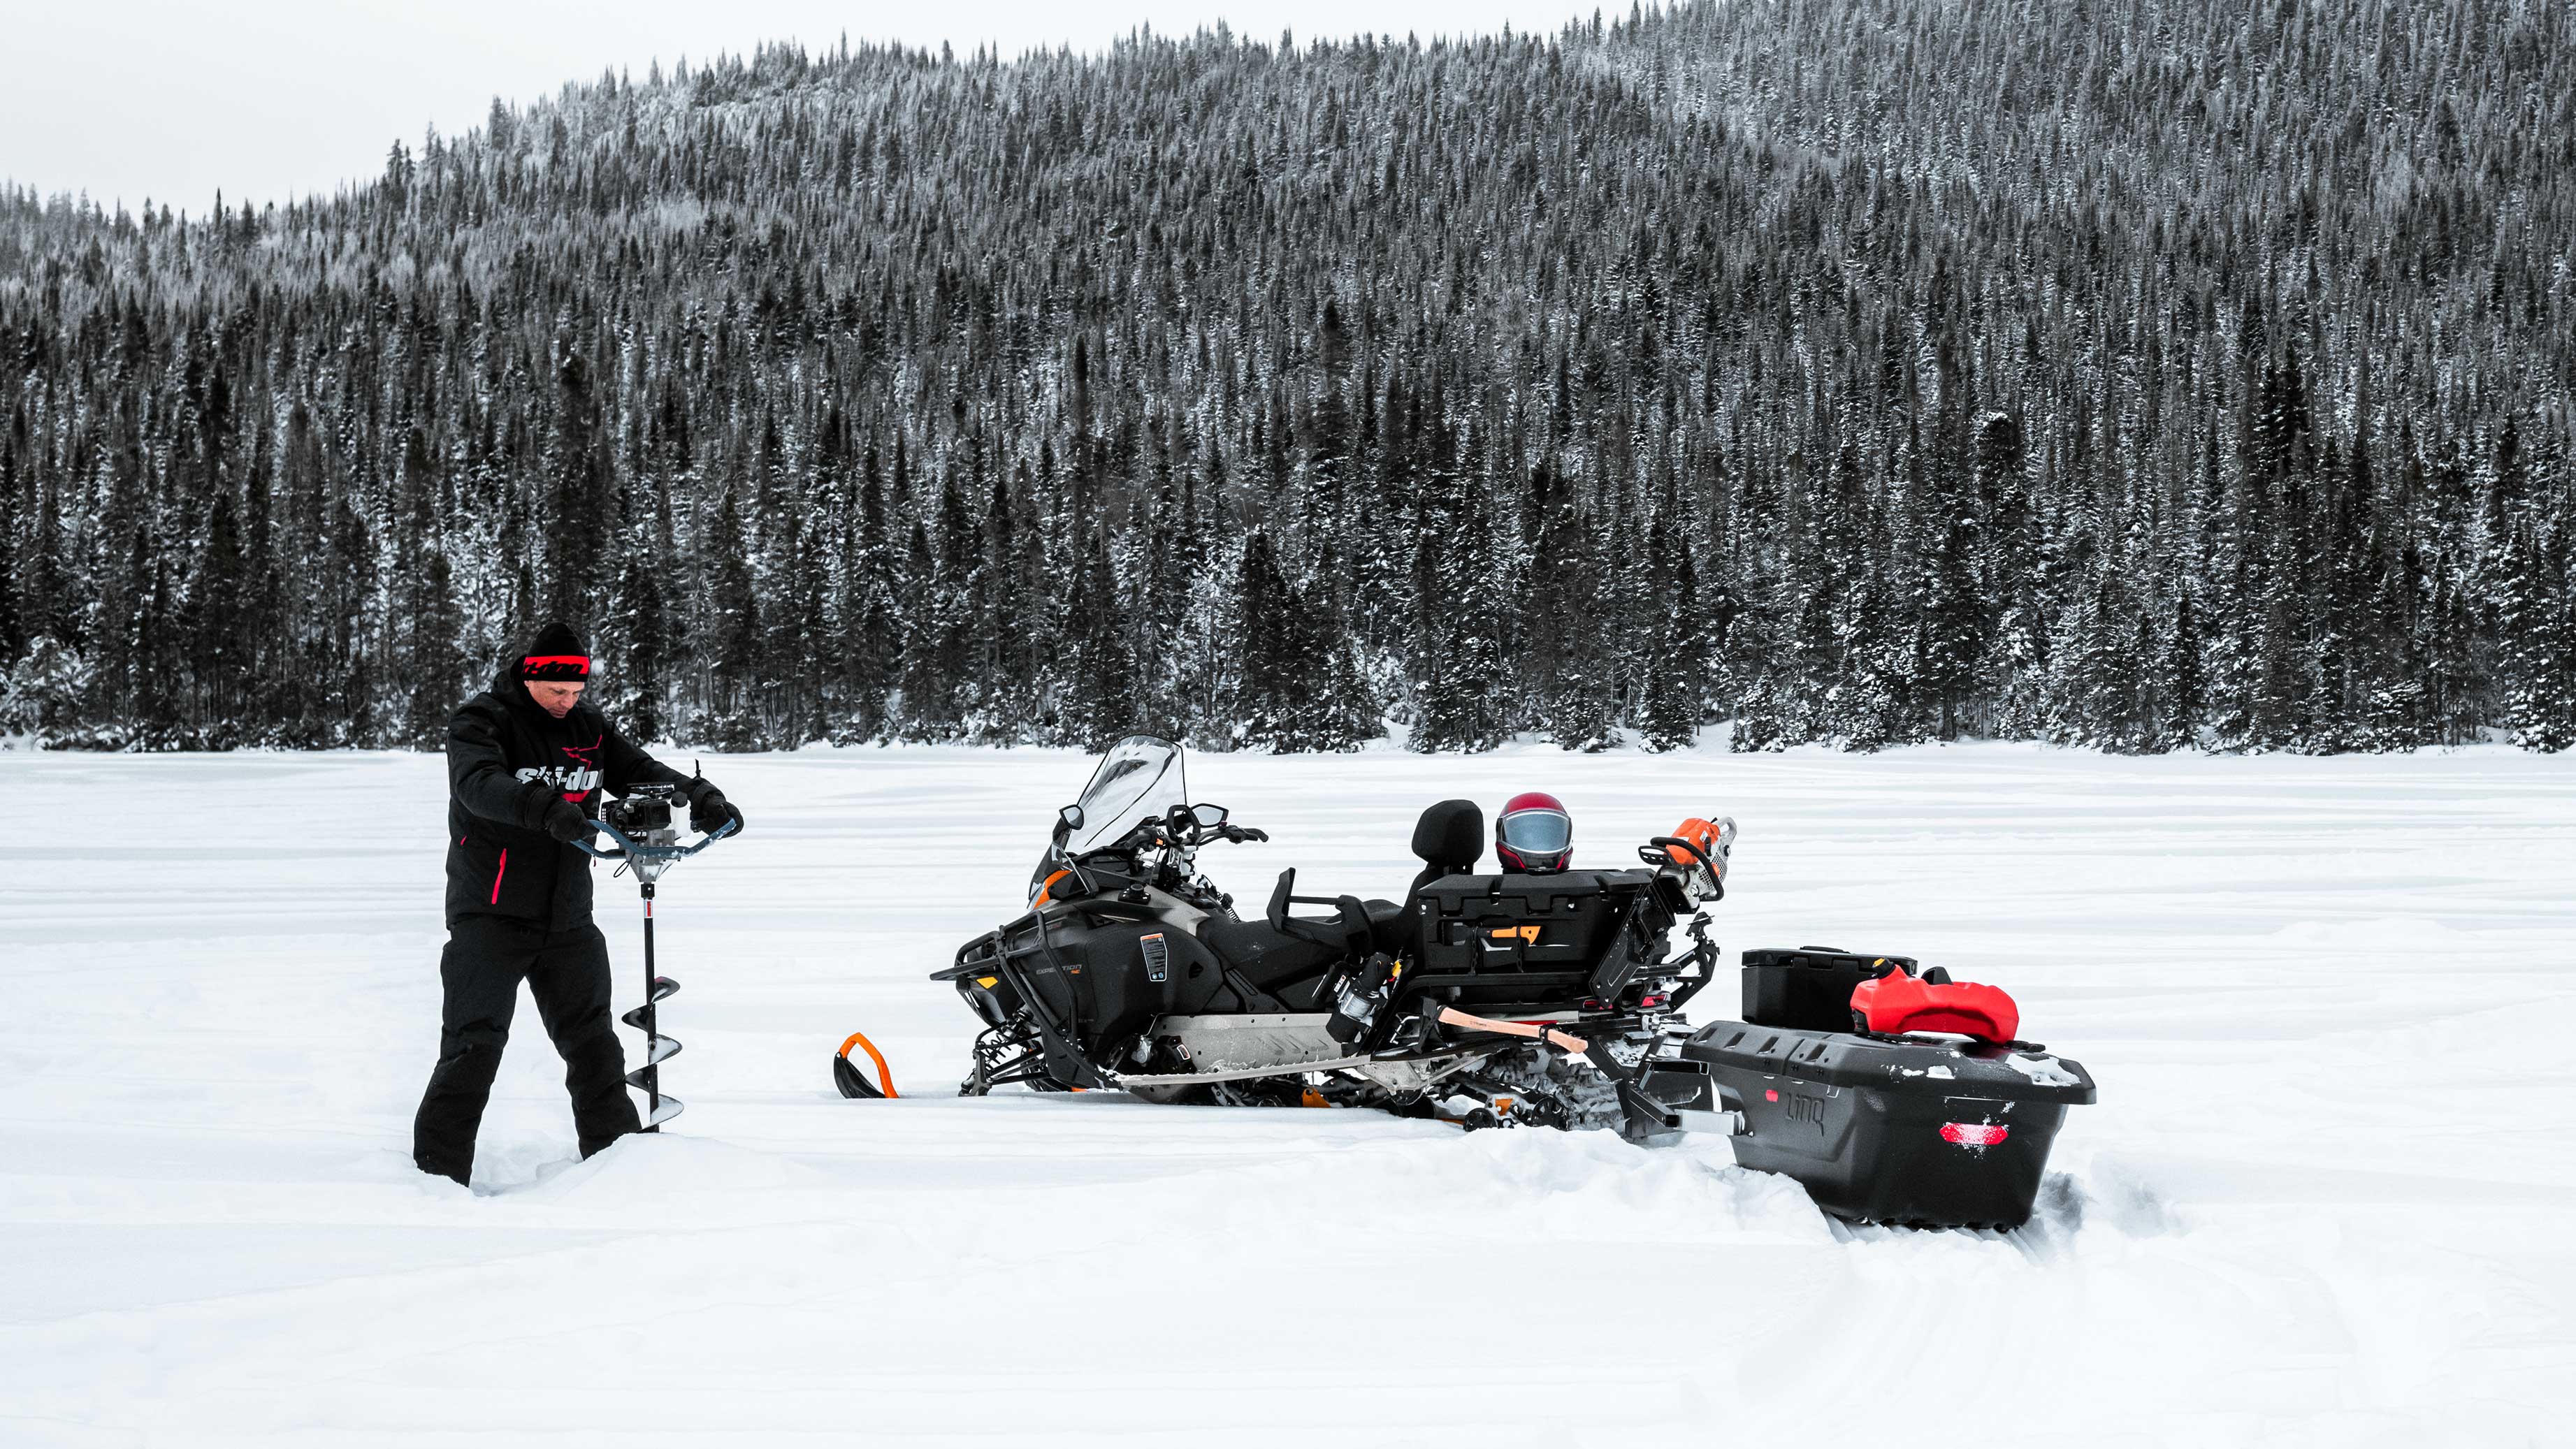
(2320, 1200)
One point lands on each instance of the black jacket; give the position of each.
(507, 760)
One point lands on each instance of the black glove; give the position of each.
(710, 810)
(565, 822)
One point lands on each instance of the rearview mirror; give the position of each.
(1209, 817)
(1067, 821)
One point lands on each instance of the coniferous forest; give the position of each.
(2120, 373)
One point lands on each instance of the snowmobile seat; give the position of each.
(1273, 960)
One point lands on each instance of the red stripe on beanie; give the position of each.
(555, 666)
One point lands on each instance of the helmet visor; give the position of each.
(1536, 832)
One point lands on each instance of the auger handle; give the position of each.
(629, 850)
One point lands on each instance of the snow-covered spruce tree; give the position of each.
(579, 504)
(428, 661)
(731, 633)
(1103, 696)
(1951, 608)
(14, 519)
(218, 630)
(2537, 637)
(1457, 661)
(641, 616)
(1669, 717)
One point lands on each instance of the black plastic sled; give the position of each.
(1893, 1098)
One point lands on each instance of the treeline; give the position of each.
(2128, 374)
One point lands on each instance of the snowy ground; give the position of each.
(2322, 1200)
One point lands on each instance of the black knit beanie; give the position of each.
(557, 653)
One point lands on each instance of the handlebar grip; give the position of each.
(712, 836)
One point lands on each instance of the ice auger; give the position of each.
(648, 843)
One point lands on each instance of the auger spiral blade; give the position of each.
(664, 1111)
(657, 1050)
(664, 988)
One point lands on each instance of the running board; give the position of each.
(1123, 1080)
(1410, 1072)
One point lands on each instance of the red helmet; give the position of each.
(1534, 835)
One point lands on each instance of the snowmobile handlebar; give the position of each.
(629, 849)
(1159, 832)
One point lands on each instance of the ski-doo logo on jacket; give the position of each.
(576, 778)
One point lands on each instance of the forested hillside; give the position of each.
(1864, 371)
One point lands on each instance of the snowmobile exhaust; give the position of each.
(648, 843)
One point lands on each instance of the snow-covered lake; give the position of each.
(2323, 1199)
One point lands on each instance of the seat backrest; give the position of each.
(1450, 839)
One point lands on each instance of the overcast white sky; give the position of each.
(172, 99)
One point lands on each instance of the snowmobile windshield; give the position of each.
(1139, 776)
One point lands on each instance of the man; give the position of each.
(525, 764)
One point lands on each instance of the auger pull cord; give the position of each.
(650, 857)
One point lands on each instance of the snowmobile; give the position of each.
(1499, 1000)
(1484, 999)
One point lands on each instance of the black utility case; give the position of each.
(1810, 988)
(1915, 1130)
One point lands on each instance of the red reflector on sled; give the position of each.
(1974, 1134)
(1897, 1002)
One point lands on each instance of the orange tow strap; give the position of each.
(885, 1074)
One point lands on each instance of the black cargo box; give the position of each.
(1809, 988)
(1524, 922)
(1922, 1131)
(1529, 940)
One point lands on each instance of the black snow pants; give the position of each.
(567, 973)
